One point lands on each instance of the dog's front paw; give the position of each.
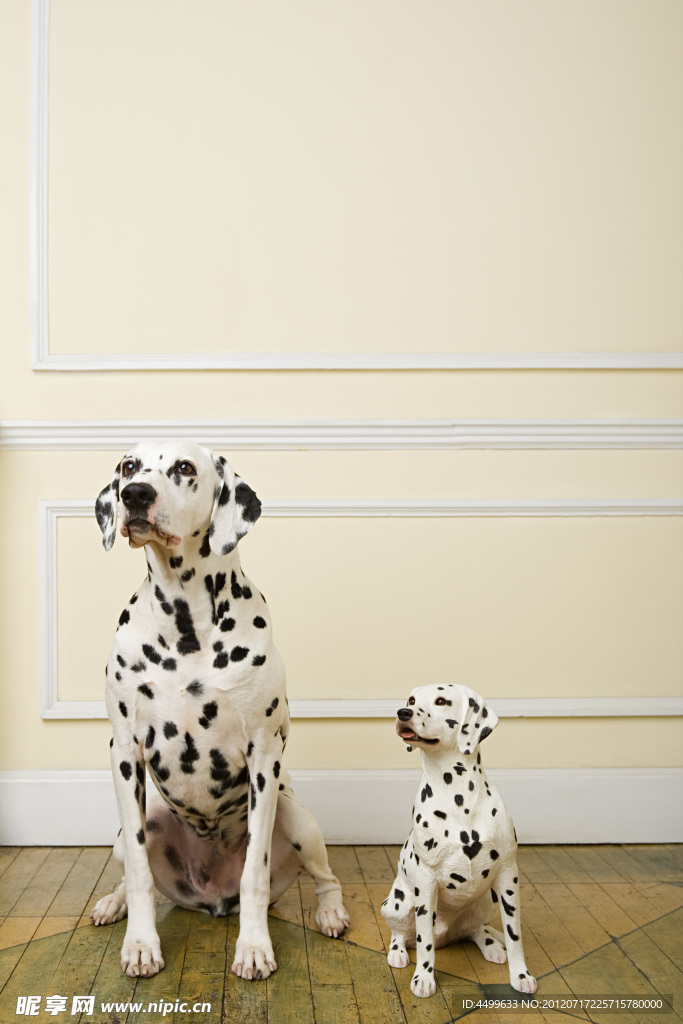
(423, 985)
(140, 958)
(524, 983)
(332, 920)
(109, 909)
(254, 960)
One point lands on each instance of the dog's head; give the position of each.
(167, 491)
(445, 716)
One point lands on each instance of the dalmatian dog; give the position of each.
(460, 858)
(195, 691)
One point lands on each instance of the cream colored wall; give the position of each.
(361, 177)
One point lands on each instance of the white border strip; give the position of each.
(52, 707)
(42, 359)
(346, 435)
(548, 805)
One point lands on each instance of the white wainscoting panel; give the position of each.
(552, 805)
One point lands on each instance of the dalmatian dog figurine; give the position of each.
(460, 858)
(195, 692)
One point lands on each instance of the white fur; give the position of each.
(196, 696)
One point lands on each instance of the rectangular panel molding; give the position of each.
(43, 359)
(346, 435)
(52, 707)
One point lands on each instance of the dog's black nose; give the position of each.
(138, 497)
(405, 714)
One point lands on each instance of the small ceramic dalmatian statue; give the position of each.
(196, 696)
(460, 859)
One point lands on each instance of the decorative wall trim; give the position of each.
(548, 805)
(50, 511)
(346, 435)
(43, 359)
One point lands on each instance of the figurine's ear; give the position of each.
(477, 721)
(106, 510)
(235, 508)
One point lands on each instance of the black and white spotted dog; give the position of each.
(195, 693)
(460, 858)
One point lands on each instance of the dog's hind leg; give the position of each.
(398, 910)
(113, 907)
(296, 826)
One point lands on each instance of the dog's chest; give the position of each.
(460, 828)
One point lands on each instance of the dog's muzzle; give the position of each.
(138, 499)
(406, 732)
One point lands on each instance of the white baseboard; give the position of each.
(549, 805)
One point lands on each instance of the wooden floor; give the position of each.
(598, 921)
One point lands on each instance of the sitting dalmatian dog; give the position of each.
(195, 692)
(460, 857)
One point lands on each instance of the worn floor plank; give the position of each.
(596, 920)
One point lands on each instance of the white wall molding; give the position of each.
(53, 707)
(549, 805)
(43, 359)
(346, 435)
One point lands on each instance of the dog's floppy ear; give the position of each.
(106, 510)
(235, 509)
(477, 721)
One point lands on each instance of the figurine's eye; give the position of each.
(187, 469)
(411, 700)
(128, 467)
(440, 700)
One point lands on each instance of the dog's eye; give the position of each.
(128, 467)
(411, 700)
(187, 469)
(440, 700)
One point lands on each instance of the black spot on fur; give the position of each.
(507, 907)
(189, 755)
(239, 653)
(170, 730)
(195, 688)
(258, 659)
(126, 769)
(124, 617)
(188, 642)
(173, 858)
(140, 837)
(250, 504)
(152, 654)
(260, 622)
(145, 690)
(123, 709)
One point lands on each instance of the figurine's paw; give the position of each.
(423, 985)
(397, 956)
(524, 983)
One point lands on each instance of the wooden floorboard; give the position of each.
(597, 921)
